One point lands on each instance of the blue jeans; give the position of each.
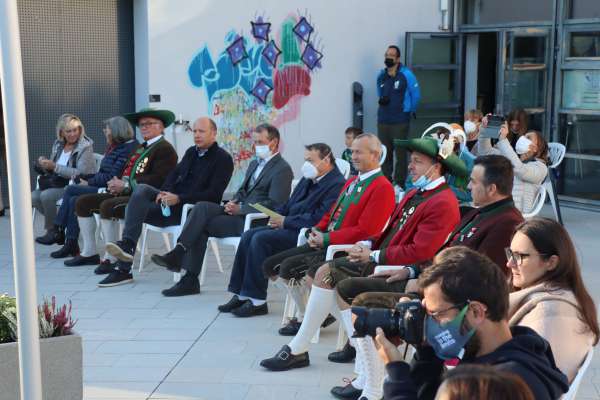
(66, 216)
(247, 276)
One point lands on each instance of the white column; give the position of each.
(17, 159)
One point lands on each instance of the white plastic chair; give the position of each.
(234, 241)
(343, 166)
(571, 394)
(173, 230)
(383, 154)
(540, 199)
(556, 154)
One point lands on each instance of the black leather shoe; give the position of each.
(346, 355)
(171, 260)
(81, 260)
(115, 278)
(187, 285)
(291, 328)
(285, 360)
(250, 310)
(123, 250)
(70, 249)
(328, 321)
(105, 267)
(234, 302)
(347, 392)
(52, 236)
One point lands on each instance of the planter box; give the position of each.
(62, 365)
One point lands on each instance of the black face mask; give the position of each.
(389, 62)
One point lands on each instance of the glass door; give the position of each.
(524, 68)
(436, 61)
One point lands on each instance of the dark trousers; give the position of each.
(66, 213)
(143, 208)
(350, 289)
(294, 263)
(107, 205)
(387, 133)
(206, 219)
(247, 277)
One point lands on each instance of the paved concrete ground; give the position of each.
(140, 345)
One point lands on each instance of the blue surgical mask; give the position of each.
(165, 209)
(423, 180)
(447, 340)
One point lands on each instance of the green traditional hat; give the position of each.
(166, 116)
(443, 154)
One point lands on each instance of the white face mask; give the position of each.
(308, 170)
(263, 152)
(522, 145)
(470, 127)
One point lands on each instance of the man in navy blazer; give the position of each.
(315, 194)
(268, 181)
(202, 175)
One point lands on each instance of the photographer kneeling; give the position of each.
(466, 307)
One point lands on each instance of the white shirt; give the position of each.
(64, 158)
(261, 166)
(153, 140)
(365, 175)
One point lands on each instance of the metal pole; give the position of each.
(17, 159)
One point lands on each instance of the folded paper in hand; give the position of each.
(265, 210)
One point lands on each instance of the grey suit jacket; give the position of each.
(271, 188)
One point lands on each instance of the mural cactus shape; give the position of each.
(261, 77)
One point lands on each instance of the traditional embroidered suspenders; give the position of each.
(467, 229)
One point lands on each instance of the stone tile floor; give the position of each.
(140, 345)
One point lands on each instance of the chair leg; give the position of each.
(167, 241)
(215, 248)
(143, 249)
(176, 277)
(551, 188)
(204, 268)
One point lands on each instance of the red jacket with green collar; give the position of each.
(416, 232)
(360, 212)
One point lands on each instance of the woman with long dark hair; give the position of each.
(549, 294)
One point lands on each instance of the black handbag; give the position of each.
(52, 181)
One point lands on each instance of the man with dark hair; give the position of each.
(202, 175)
(268, 182)
(399, 95)
(466, 301)
(315, 194)
(349, 135)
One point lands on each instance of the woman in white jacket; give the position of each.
(529, 159)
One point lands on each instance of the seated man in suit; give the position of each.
(360, 212)
(315, 194)
(150, 163)
(268, 182)
(202, 175)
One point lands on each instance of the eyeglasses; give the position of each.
(147, 124)
(516, 257)
(437, 314)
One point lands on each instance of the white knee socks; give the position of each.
(110, 231)
(346, 316)
(87, 229)
(373, 368)
(319, 305)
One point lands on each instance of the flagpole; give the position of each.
(17, 159)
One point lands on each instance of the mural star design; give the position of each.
(271, 52)
(260, 30)
(303, 29)
(261, 90)
(237, 51)
(311, 57)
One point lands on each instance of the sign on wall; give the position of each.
(581, 89)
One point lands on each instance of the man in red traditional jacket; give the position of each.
(418, 228)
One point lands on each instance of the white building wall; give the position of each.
(352, 35)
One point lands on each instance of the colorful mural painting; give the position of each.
(260, 77)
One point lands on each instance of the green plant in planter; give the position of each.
(6, 303)
(53, 321)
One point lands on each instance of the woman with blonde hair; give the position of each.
(72, 154)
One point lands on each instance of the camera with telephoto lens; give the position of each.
(405, 321)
